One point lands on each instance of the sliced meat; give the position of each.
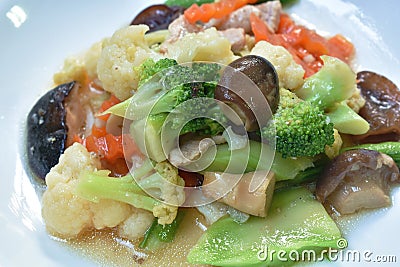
(180, 27)
(270, 12)
(237, 38)
(189, 151)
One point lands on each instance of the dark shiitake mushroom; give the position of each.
(381, 110)
(47, 130)
(245, 98)
(55, 119)
(158, 17)
(357, 179)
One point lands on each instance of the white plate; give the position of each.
(36, 36)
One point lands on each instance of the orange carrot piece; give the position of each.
(341, 48)
(98, 131)
(220, 9)
(259, 28)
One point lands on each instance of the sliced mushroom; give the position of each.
(382, 108)
(47, 130)
(255, 203)
(59, 115)
(357, 179)
(243, 97)
(157, 17)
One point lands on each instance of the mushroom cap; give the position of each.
(47, 130)
(251, 96)
(354, 173)
(382, 108)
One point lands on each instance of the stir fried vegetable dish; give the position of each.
(229, 109)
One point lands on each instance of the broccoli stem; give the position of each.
(308, 175)
(237, 158)
(289, 168)
(95, 186)
(347, 121)
(391, 149)
(333, 83)
(144, 169)
(284, 168)
(140, 104)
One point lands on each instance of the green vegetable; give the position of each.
(186, 3)
(165, 85)
(172, 99)
(391, 149)
(304, 176)
(147, 135)
(296, 222)
(332, 84)
(149, 68)
(345, 120)
(289, 168)
(97, 185)
(161, 233)
(300, 127)
(247, 159)
(157, 134)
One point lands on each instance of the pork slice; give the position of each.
(237, 38)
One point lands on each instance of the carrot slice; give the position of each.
(113, 100)
(216, 10)
(260, 29)
(340, 47)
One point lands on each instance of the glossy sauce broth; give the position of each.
(106, 248)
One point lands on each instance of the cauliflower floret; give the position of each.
(334, 150)
(109, 213)
(356, 100)
(66, 214)
(72, 163)
(91, 59)
(136, 225)
(121, 53)
(72, 70)
(207, 45)
(290, 73)
(172, 193)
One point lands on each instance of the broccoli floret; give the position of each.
(166, 85)
(329, 89)
(149, 68)
(300, 128)
(168, 95)
(201, 115)
(164, 183)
